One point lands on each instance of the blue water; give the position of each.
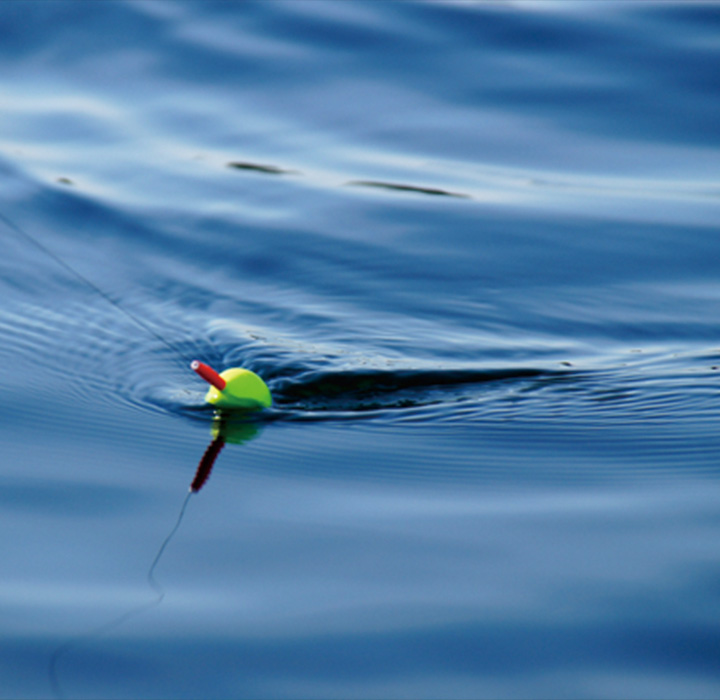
(474, 250)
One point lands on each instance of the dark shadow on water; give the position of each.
(329, 396)
(397, 187)
(366, 390)
(378, 184)
(259, 168)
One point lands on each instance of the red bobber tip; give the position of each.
(209, 374)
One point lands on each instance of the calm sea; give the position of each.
(474, 250)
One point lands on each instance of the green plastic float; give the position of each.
(234, 388)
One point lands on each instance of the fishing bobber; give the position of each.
(234, 388)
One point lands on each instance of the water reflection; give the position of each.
(225, 429)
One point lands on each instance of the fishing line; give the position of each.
(78, 275)
(102, 630)
(255, 394)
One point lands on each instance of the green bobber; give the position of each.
(234, 388)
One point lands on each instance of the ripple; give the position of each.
(104, 358)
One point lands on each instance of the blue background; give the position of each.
(473, 249)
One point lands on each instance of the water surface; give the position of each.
(471, 247)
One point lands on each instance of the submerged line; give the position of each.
(151, 572)
(98, 632)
